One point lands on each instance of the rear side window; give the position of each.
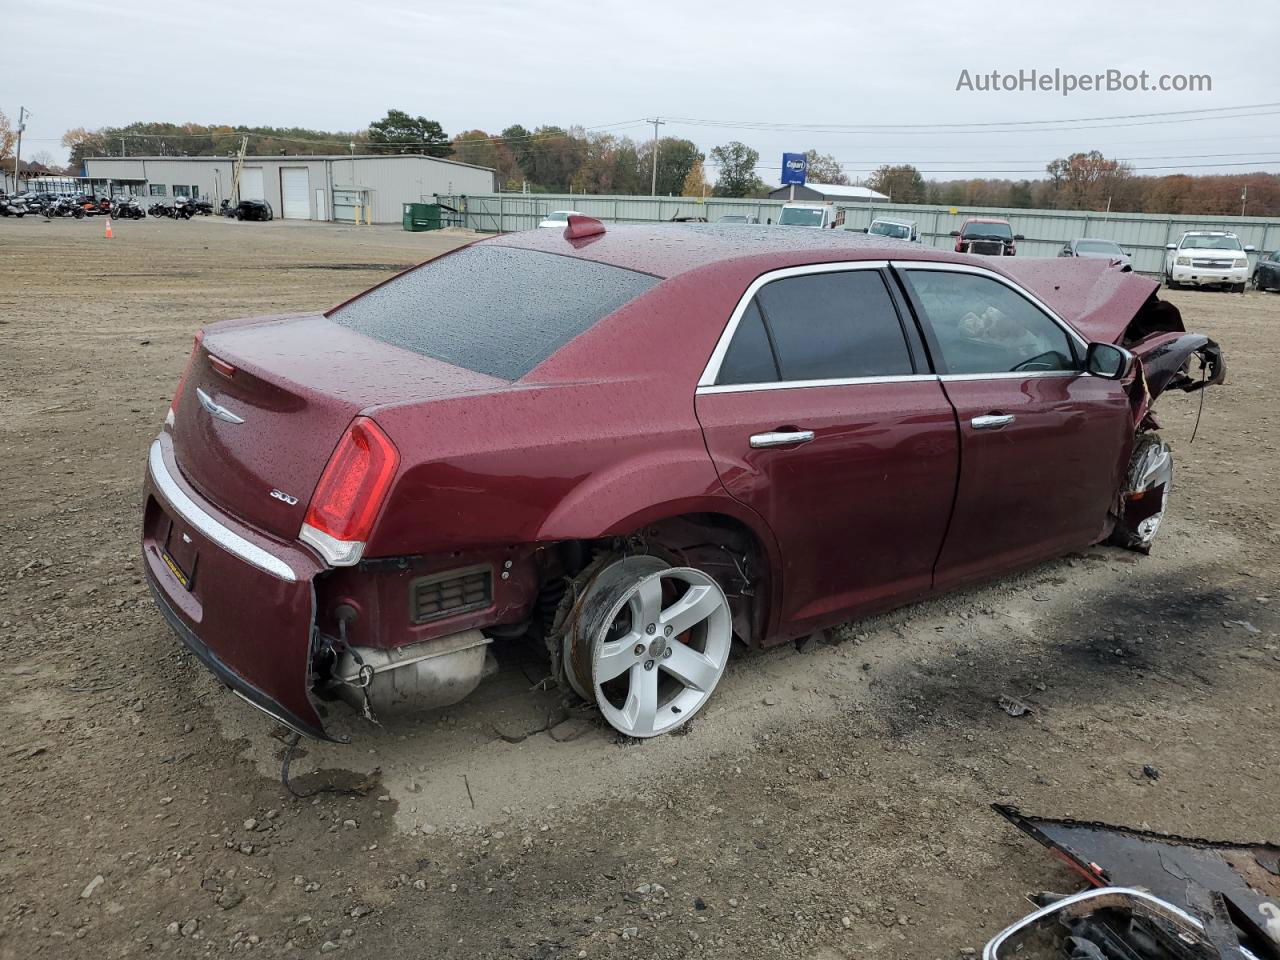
(496, 310)
(749, 358)
(829, 326)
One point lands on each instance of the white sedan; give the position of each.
(558, 218)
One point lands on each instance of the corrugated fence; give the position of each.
(1143, 235)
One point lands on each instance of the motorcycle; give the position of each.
(127, 208)
(13, 206)
(203, 207)
(160, 209)
(183, 208)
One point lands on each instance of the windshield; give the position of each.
(1202, 242)
(1000, 231)
(801, 217)
(899, 231)
(1101, 248)
(496, 310)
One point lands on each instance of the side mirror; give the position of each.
(954, 233)
(1018, 236)
(1171, 246)
(1249, 248)
(1107, 361)
(866, 229)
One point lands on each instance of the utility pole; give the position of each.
(17, 155)
(653, 185)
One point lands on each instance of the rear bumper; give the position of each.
(246, 608)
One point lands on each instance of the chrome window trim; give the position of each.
(712, 370)
(939, 266)
(228, 539)
(1013, 375)
(799, 384)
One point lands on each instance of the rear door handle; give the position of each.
(992, 421)
(780, 438)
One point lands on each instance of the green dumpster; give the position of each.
(421, 216)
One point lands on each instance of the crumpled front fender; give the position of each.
(1164, 362)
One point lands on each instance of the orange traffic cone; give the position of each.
(109, 234)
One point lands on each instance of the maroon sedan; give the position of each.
(630, 447)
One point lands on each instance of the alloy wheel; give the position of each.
(655, 648)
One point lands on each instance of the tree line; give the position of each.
(556, 159)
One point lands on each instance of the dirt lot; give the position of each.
(828, 804)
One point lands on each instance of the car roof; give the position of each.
(905, 223)
(666, 250)
(985, 220)
(1094, 240)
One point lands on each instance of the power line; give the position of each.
(828, 127)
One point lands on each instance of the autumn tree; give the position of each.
(398, 132)
(1086, 181)
(695, 182)
(8, 137)
(900, 182)
(486, 150)
(823, 168)
(676, 157)
(737, 163)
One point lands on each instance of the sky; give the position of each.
(868, 83)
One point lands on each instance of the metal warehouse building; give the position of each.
(298, 188)
(835, 192)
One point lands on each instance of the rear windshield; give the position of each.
(496, 310)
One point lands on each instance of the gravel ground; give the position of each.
(830, 803)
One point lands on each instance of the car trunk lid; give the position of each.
(265, 403)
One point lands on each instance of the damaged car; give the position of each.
(637, 447)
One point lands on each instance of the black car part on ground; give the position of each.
(1237, 884)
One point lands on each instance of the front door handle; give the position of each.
(780, 438)
(992, 421)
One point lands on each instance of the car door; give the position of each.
(821, 414)
(1042, 444)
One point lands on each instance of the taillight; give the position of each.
(182, 381)
(350, 493)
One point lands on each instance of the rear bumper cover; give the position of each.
(247, 607)
(232, 680)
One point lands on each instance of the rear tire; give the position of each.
(1144, 498)
(648, 643)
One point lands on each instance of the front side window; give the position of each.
(982, 326)
(821, 326)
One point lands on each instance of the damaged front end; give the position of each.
(1157, 897)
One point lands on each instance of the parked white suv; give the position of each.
(1207, 258)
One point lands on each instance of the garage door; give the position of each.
(251, 187)
(295, 193)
